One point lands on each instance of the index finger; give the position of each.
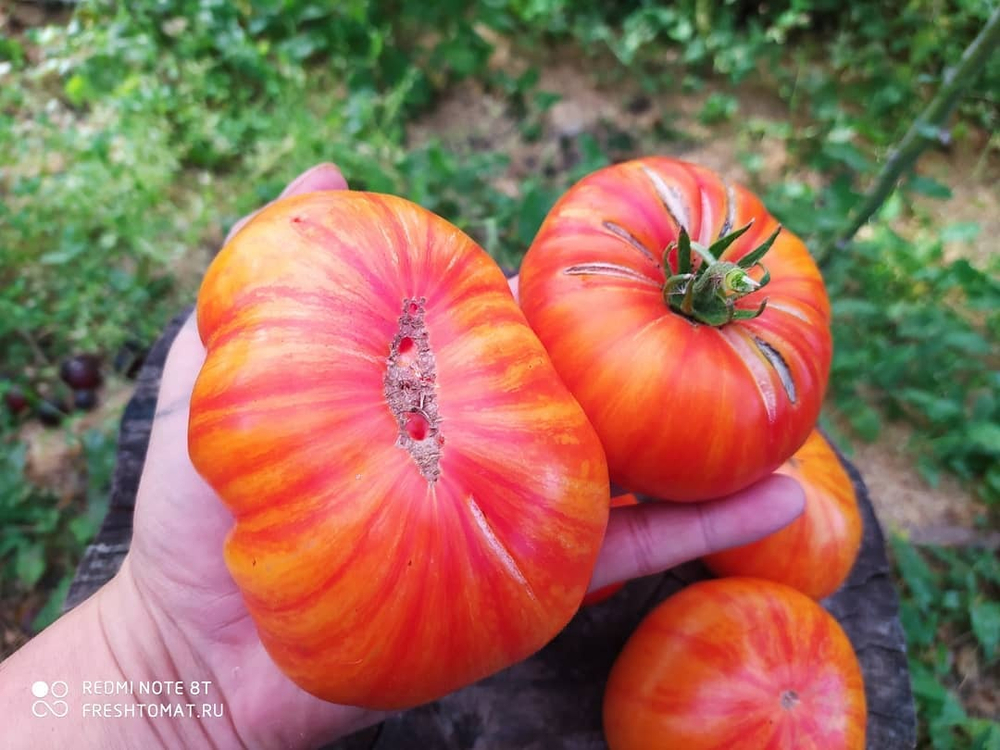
(650, 538)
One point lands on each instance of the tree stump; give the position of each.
(551, 701)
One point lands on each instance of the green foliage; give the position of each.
(25, 515)
(131, 102)
(140, 99)
(949, 606)
(41, 536)
(891, 61)
(915, 338)
(718, 108)
(826, 57)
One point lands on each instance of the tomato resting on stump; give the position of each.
(736, 663)
(814, 553)
(692, 329)
(418, 500)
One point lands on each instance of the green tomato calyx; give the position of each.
(705, 288)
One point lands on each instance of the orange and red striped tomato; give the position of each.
(418, 500)
(606, 592)
(815, 553)
(736, 663)
(686, 411)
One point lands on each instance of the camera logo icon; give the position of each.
(49, 699)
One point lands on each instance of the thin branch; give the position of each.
(926, 129)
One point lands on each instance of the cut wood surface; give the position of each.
(552, 700)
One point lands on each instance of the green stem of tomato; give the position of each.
(708, 293)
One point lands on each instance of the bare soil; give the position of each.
(972, 171)
(53, 460)
(945, 514)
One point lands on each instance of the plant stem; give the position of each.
(928, 127)
(36, 350)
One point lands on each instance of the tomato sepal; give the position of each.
(708, 293)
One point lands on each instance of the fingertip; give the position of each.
(512, 282)
(236, 227)
(761, 509)
(750, 514)
(653, 537)
(325, 176)
(785, 496)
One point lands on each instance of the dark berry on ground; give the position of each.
(85, 399)
(81, 371)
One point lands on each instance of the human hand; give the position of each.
(179, 615)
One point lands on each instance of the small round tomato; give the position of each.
(418, 500)
(815, 553)
(692, 329)
(736, 663)
(602, 594)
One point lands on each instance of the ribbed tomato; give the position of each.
(648, 296)
(814, 553)
(418, 500)
(602, 594)
(736, 663)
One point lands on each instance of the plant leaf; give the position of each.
(719, 246)
(683, 252)
(754, 256)
(29, 565)
(985, 616)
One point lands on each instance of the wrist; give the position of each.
(175, 693)
(108, 675)
(193, 636)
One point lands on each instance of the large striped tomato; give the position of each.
(815, 552)
(418, 500)
(736, 663)
(694, 394)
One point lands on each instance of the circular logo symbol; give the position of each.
(57, 690)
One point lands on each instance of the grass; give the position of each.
(137, 135)
(951, 616)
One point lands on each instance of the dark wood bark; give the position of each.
(552, 701)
